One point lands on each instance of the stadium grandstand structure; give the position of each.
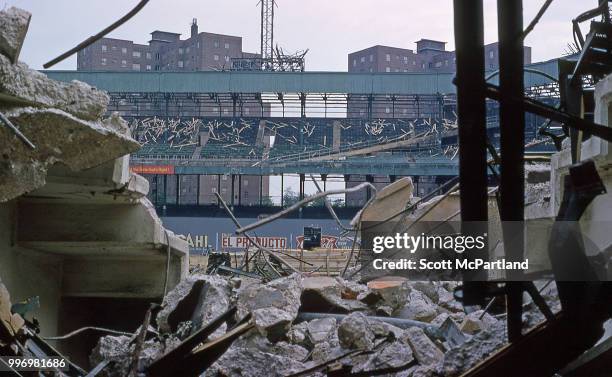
(238, 138)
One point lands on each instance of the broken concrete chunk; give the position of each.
(460, 359)
(394, 355)
(239, 362)
(118, 350)
(327, 294)
(424, 350)
(14, 23)
(274, 305)
(355, 332)
(20, 85)
(320, 330)
(297, 333)
(419, 308)
(198, 300)
(472, 323)
(254, 340)
(429, 289)
(59, 137)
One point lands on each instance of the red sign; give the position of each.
(241, 242)
(327, 242)
(152, 169)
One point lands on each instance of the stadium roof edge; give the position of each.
(281, 82)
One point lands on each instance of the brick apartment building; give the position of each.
(164, 52)
(430, 57)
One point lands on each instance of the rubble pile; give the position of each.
(58, 122)
(421, 329)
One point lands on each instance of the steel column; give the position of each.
(471, 113)
(512, 148)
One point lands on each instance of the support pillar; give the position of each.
(512, 148)
(261, 190)
(282, 190)
(324, 179)
(302, 180)
(233, 195)
(198, 190)
(240, 189)
(178, 189)
(369, 178)
(219, 188)
(471, 112)
(165, 189)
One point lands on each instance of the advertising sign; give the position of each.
(327, 242)
(241, 242)
(152, 169)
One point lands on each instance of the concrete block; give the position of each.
(23, 86)
(58, 137)
(14, 23)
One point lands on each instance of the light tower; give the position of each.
(267, 32)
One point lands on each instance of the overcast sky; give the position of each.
(329, 28)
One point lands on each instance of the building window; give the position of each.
(104, 48)
(225, 112)
(371, 57)
(136, 67)
(136, 54)
(414, 62)
(216, 44)
(363, 59)
(149, 55)
(405, 60)
(226, 46)
(362, 112)
(371, 69)
(180, 64)
(446, 62)
(157, 56)
(354, 62)
(388, 57)
(216, 57)
(187, 50)
(123, 50)
(103, 61)
(491, 54)
(148, 67)
(247, 111)
(226, 58)
(388, 69)
(387, 110)
(124, 63)
(180, 50)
